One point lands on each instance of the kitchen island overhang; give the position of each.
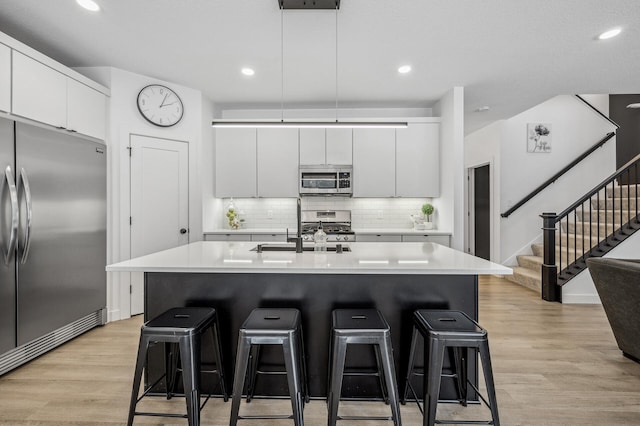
(395, 278)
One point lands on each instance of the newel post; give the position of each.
(550, 290)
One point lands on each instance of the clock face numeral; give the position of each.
(160, 105)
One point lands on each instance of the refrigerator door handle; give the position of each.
(27, 232)
(13, 195)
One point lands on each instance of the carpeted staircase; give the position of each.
(621, 204)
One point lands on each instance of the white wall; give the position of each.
(450, 205)
(575, 128)
(480, 148)
(124, 121)
(328, 114)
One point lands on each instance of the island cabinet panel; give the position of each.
(277, 160)
(236, 162)
(235, 295)
(374, 171)
(86, 110)
(39, 92)
(312, 146)
(339, 146)
(418, 160)
(5, 78)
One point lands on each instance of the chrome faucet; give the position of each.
(299, 233)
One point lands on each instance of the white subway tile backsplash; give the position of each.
(279, 213)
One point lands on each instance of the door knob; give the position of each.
(183, 230)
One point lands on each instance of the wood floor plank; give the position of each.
(553, 364)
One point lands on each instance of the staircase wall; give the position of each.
(575, 128)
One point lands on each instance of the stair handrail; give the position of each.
(551, 286)
(555, 177)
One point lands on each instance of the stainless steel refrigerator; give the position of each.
(52, 238)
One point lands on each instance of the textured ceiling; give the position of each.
(508, 54)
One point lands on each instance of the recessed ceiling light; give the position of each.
(89, 5)
(482, 109)
(248, 71)
(609, 34)
(404, 69)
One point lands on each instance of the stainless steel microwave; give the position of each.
(326, 180)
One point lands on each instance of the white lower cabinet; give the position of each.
(439, 239)
(5, 78)
(227, 237)
(236, 163)
(378, 238)
(276, 237)
(39, 92)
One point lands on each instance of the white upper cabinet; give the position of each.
(236, 162)
(86, 109)
(339, 146)
(5, 78)
(277, 162)
(312, 146)
(39, 92)
(418, 160)
(374, 171)
(326, 146)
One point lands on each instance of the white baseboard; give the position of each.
(524, 250)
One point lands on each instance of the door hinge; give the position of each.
(130, 289)
(130, 149)
(130, 221)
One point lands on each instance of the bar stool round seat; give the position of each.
(182, 328)
(361, 326)
(271, 327)
(442, 330)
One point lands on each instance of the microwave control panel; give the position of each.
(344, 180)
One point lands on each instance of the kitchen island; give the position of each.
(234, 278)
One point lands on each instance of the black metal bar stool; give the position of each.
(184, 328)
(271, 327)
(441, 330)
(368, 327)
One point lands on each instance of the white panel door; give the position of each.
(418, 160)
(277, 163)
(5, 78)
(374, 163)
(86, 109)
(39, 92)
(159, 201)
(339, 146)
(312, 146)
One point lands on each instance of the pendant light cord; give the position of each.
(336, 62)
(282, 64)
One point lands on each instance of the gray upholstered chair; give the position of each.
(618, 285)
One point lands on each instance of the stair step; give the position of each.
(526, 278)
(624, 191)
(530, 262)
(615, 203)
(607, 216)
(584, 227)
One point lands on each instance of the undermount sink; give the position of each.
(292, 248)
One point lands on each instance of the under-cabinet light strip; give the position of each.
(311, 124)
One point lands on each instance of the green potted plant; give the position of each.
(427, 211)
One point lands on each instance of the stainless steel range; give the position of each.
(335, 223)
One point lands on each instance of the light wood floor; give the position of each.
(553, 365)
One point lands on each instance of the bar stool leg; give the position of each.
(460, 363)
(485, 358)
(412, 354)
(254, 358)
(432, 387)
(305, 377)
(292, 364)
(218, 355)
(390, 376)
(190, 357)
(381, 375)
(338, 356)
(143, 346)
(244, 346)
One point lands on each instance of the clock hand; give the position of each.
(168, 104)
(165, 98)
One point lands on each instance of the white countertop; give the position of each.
(365, 231)
(365, 258)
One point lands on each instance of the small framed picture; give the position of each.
(539, 137)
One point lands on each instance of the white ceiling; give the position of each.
(508, 54)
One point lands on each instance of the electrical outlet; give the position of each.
(270, 214)
(380, 214)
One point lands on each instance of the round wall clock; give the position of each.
(160, 105)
